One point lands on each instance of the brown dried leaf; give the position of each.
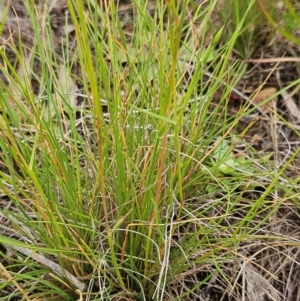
(68, 28)
(65, 92)
(256, 139)
(290, 104)
(260, 97)
(66, 87)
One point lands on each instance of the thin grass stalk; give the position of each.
(83, 40)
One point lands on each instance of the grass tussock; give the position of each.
(135, 159)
